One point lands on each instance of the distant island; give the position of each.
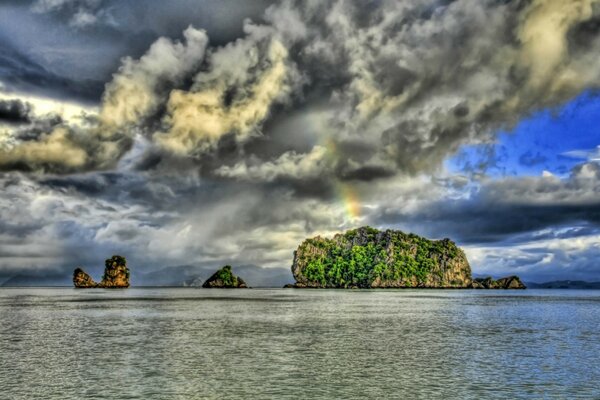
(510, 282)
(369, 258)
(116, 275)
(583, 285)
(224, 279)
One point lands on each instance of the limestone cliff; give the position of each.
(368, 258)
(224, 278)
(82, 280)
(116, 275)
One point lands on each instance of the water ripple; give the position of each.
(290, 344)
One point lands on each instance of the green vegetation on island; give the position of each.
(510, 282)
(367, 257)
(224, 278)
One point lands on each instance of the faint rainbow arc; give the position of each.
(345, 192)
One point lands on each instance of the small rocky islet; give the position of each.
(224, 279)
(510, 282)
(369, 258)
(116, 275)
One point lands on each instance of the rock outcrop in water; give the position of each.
(82, 280)
(224, 278)
(368, 258)
(510, 282)
(116, 275)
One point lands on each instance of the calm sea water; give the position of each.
(308, 344)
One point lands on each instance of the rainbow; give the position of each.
(349, 198)
(345, 192)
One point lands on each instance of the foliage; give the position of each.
(360, 256)
(115, 261)
(111, 264)
(226, 276)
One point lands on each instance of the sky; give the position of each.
(192, 133)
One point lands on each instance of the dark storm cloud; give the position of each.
(15, 111)
(83, 41)
(19, 72)
(223, 19)
(504, 209)
(129, 188)
(480, 222)
(38, 126)
(569, 256)
(265, 204)
(367, 173)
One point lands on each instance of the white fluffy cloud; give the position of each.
(198, 118)
(567, 258)
(290, 165)
(141, 86)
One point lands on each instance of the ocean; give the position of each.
(186, 343)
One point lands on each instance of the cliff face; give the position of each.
(368, 258)
(224, 278)
(116, 275)
(82, 280)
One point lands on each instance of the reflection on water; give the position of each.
(194, 343)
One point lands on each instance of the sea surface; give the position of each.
(62, 343)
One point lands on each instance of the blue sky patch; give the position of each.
(551, 140)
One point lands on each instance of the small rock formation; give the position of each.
(116, 275)
(224, 278)
(82, 280)
(510, 282)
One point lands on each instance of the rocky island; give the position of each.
(510, 282)
(224, 278)
(116, 275)
(369, 258)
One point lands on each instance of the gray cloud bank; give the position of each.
(236, 148)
